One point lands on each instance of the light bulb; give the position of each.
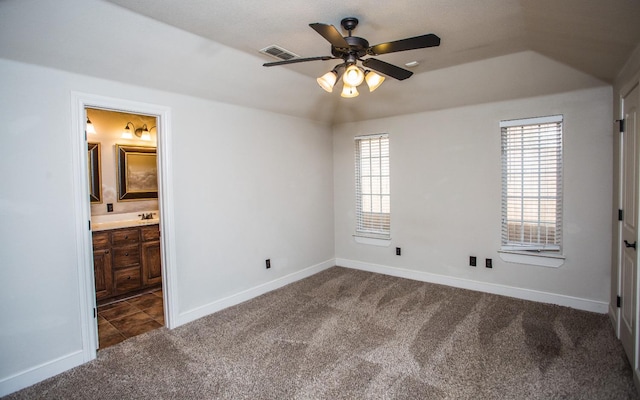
(327, 81)
(353, 76)
(373, 80)
(349, 91)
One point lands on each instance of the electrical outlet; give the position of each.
(268, 262)
(109, 207)
(488, 263)
(398, 251)
(472, 261)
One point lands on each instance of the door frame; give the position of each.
(84, 248)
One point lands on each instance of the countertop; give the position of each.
(123, 220)
(103, 226)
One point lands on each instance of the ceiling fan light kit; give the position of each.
(349, 91)
(353, 76)
(373, 80)
(328, 80)
(351, 48)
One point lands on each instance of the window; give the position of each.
(532, 184)
(373, 193)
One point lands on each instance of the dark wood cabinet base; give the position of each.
(126, 262)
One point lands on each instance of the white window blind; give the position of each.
(373, 191)
(532, 184)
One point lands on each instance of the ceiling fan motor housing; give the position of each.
(357, 47)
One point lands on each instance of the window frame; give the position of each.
(550, 255)
(377, 233)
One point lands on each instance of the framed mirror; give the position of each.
(94, 173)
(137, 173)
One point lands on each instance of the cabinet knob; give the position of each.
(126, 253)
(106, 252)
(126, 236)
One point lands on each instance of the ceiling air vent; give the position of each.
(278, 52)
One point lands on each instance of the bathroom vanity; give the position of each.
(126, 260)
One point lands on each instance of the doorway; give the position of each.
(88, 306)
(123, 192)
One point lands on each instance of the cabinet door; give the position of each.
(102, 273)
(151, 264)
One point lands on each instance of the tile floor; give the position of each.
(130, 317)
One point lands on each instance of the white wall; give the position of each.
(445, 197)
(249, 185)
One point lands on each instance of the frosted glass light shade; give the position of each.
(373, 80)
(90, 128)
(353, 76)
(126, 133)
(349, 91)
(145, 134)
(327, 81)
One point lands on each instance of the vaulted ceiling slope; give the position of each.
(491, 50)
(593, 36)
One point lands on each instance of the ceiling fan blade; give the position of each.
(418, 42)
(298, 60)
(331, 34)
(387, 69)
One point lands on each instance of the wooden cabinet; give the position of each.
(151, 264)
(102, 265)
(126, 260)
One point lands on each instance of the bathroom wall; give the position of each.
(109, 126)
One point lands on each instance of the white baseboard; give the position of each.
(510, 291)
(40, 372)
(248, 294)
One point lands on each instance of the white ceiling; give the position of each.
(594, 36)
(491, 49)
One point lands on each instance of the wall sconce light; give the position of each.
(143, 133)
(90, 128)
(126, 133)
(353, 76)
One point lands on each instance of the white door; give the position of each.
(629, 259)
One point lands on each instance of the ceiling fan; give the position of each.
(351, 49)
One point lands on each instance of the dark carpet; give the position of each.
(348, 334)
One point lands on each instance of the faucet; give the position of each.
(146, 216)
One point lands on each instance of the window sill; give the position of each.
(373, 241)
(540, 259)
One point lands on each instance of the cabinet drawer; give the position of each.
(150, 232)
(127, 279)
(101, 240)
(125, 236)
(126, 256)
